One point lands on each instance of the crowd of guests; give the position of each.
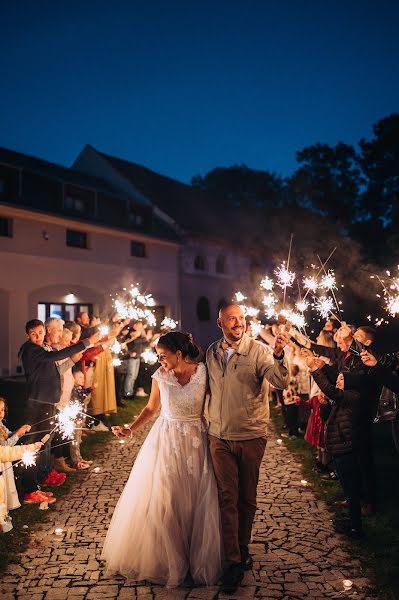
(340, 385)
(67, 363)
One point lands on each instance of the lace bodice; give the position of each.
(183, 402)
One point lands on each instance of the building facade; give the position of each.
(72, 238)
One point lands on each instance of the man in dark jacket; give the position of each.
(346, 359)
(342, 414)
(385, 370)
(44, 389)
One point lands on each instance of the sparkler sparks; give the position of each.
(324, 306)
(28, 459)
(169, 323)
(267, 283)
(310, 283)
(239, 297)
(328, 281)
(302, 305)
(149, 357)
(285, 278)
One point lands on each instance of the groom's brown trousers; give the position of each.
(236, 465)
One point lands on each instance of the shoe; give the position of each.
(332, 476)
(82, 465)
(140, 393)
(54, 478)
(89, 462)
(49, 494)
(100, 427)
(344, 526)
(61, 465)
(38, 498)
(232, 578)
(246, 558)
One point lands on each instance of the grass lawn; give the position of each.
(13, 543)
(379, 551)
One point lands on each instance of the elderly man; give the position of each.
(238, 416)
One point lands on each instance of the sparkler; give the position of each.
(310, 279)
(324, 306)
(104, 330)
(267, 283)
(328, 281)
(239, 297)
(311, 284)
(149, 357)
(28, 459)
(302, 305)
(285, 278)
(169, 323)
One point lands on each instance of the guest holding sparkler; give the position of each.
(342, 414)
(44, 390)
(385, 371)
(9, 439)
(346, 358)
(10, 454)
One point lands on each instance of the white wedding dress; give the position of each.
(166, 523)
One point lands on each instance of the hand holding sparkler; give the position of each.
(23, 430)
(314, 363)
(93, 339)
(368, 359)
(281, 341)
(77, 357)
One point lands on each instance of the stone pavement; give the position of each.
(296, 553)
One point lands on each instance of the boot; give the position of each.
(61, 465)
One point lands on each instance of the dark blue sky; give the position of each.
(183, 87)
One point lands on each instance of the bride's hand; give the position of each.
(121, 432)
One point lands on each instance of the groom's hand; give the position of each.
(281, 341)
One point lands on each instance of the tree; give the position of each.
(379, 160)
(328, 182)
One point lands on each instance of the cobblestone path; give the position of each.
(296, 553)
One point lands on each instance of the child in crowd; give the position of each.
(9, 439)
(7, 455)
(82, 395)
(290, 398)
(314, 434)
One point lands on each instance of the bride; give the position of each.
(166, 524)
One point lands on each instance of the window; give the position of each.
(78, 200)
(62, 310)
(221, 264)
(8, 183)
(203, 309)
(138, 249)
(76, 239)
(5, 227)
(199, 263)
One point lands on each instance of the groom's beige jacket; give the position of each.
(238, 407)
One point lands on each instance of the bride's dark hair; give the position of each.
(176, 340)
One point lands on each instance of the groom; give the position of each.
(238, 416)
